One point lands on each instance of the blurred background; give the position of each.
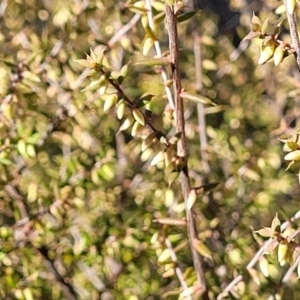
(78, 200)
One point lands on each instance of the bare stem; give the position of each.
(171, 22)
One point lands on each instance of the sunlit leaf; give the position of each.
(202, 249)
(265, 232)
(186, 16)
(196, 98)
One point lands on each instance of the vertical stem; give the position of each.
(171, 22)
(294, 32)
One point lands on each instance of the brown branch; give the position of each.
(131, 103)
(177, 269)
(67, 288)
(294, 33)
(171, 22)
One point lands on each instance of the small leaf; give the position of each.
(170, 2)
(153, 62)
(159, 157)
(265, 25)
(209, 65)
(294, 155)
(278, 56)
(196, 98)
(277, 29)
(107, 172)
(265, 232)
(292, 145)
(147, 45)
(126, 123)
(186, 16)
(168, 154)
(148, 141)
(22, 148)
(84, 62)
(292, 164)
(280, 9)
(282, 254)
(275, 226)
(163, 140)
(27, 292)
(30, 150)
(266, 54)
(5, 161)
(164, 257)
(137, 10)
(124, 70)
(202, 249)
(121, 109)
(110, 101)
(168, 273)
(115, 75)
(255, 19)
(264, 266)
(290, 6)
(138, 116)
(172, 177)
(31, 76)
(136, 128)
(192, 197)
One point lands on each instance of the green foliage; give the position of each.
(91, 206)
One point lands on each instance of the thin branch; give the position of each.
(67, 288)
(131, 103)
(177, 269)
(199, 86)
(290, 271)
(171, 22)
(123, 30)
(294, 32)
(159, 54)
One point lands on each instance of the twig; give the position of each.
(171, 22)
(177, 269)
(159, 54)
(290, 271)
(123, 30)
(294, 33)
